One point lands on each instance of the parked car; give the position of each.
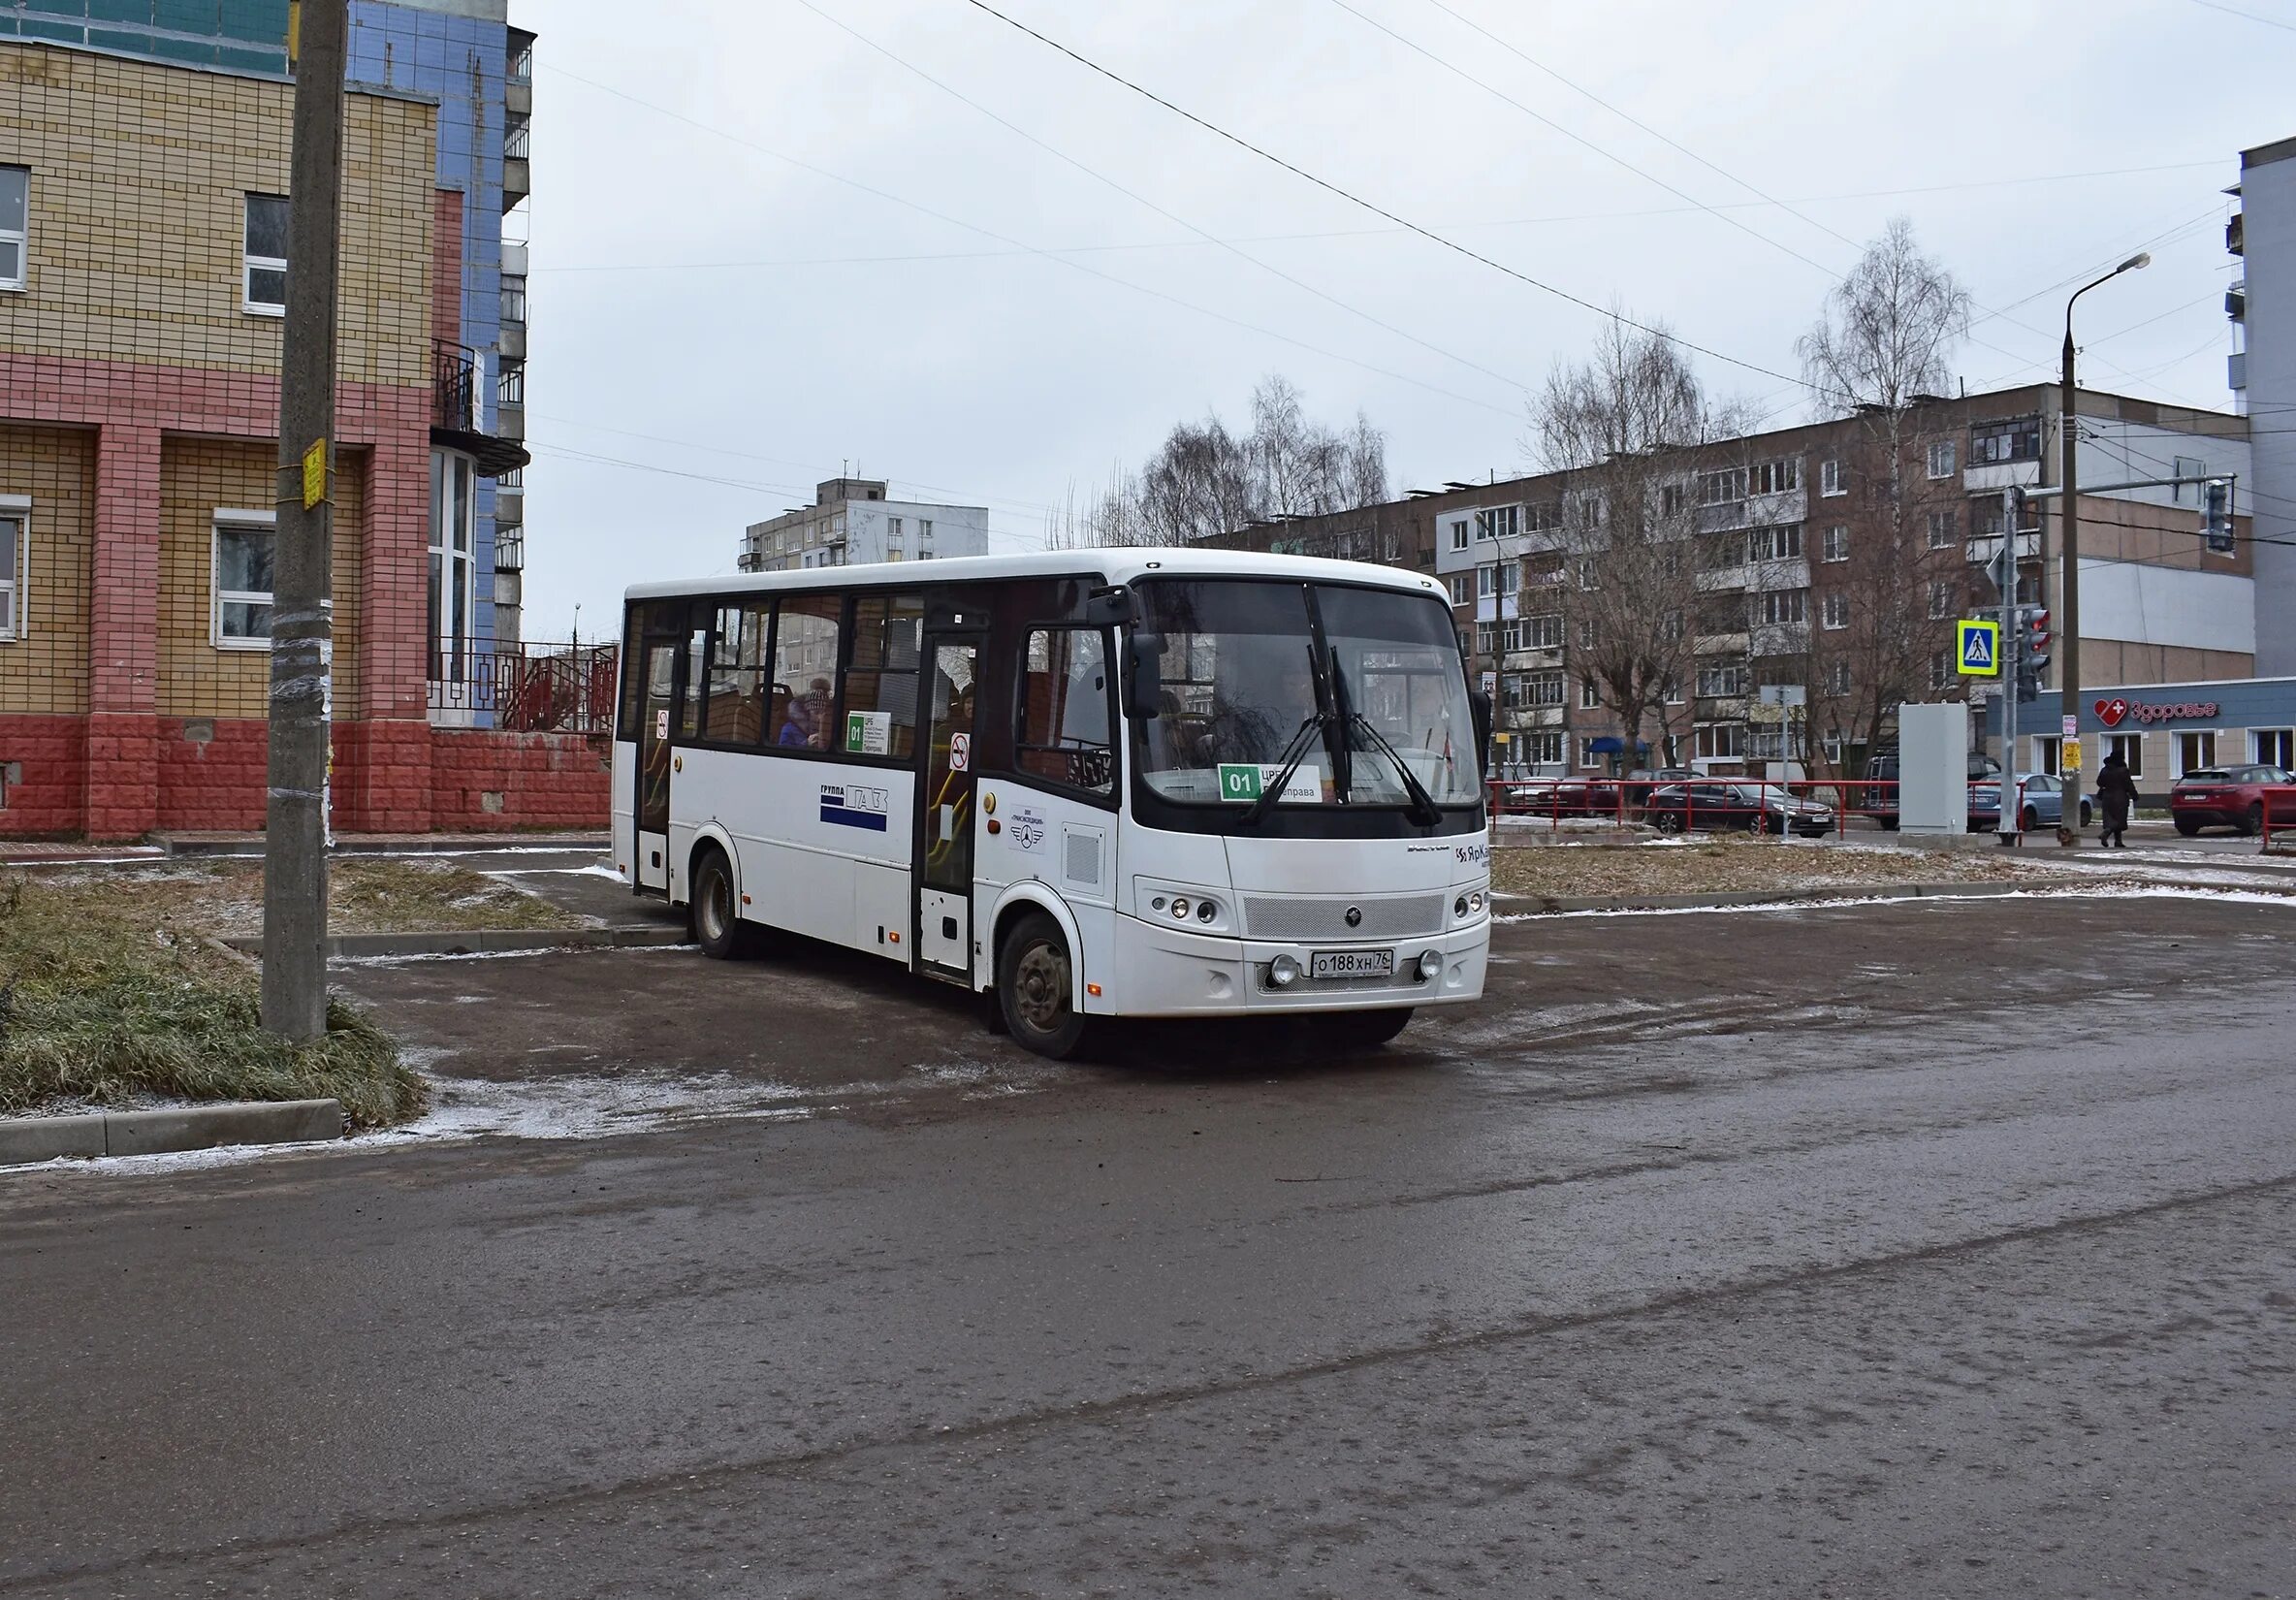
(1881, 799)
(2231, 797)
(1761, 808)
(2044, 804)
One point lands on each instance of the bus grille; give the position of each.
(1324, 916)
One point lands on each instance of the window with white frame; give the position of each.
(1941, 457)
(263, 268)
(1458, 534)
(1587, 754)
(1831, 480)
(1486, 582)
(2187, 471)
(1837, 678)
(1941, 670)
(1590, 694)
(1588, 633)
(1722, 740)
(1723, 486)
(1777, 477)
(2130, 747)
(15, 563)
(924, 531)
(1834, 611)
(1777, 607)
(1510, 576)
(1940, 599)
(1500, 522)
(2274, 747)
(1511, 633)
(453, 574)
(1543, 632)
(1486, 638)
(1837, 546)
(1541, 749)
(2013, 440)
(2195, 751)
(1510, 692)
(1941, 529)
(1670, 691)
(2050, 753)
(15, 209)
(1725, 681)
(1460, 590)
(1773, 544)
(892, 532)
(243, 545)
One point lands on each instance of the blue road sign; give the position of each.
(1980, 649)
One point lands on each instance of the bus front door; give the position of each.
(944, 826)
(657, 703)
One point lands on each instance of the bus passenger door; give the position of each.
(657, 704)
(944, 826)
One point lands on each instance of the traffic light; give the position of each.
(2033, 622)
(2216, 516)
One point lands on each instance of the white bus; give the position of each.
(1100, 784)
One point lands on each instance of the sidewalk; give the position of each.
(37, 853)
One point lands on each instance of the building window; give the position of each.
(514, 298)
(2195, 751)
(1587, 751)
(2017, 439)
(2274, 747)
(1838, 544)
(2130, 747)
(1509, 576)
(1541, 749)
(1941, 454)
(1834, 612)
(1941, 529)
(1837, 678)
(1510, 692)
(1722, 742)
(1486, 638)
(1722, 551)
(1458, 588)
(16, 206)
(14, 565)
(243, 544)
(1500, 522)
(1777, 477)
(262, 278)
(1831, 480)
(510, 385)
(453, 591)
(1458, 534)
(1940, 599)
(1671, 499)
(1543, 633)
(1775, 544)
(1486, 582)
(1588, 633)
(1777, 607)
(2051, 755)
(1722, 488)
(1941, 670)
(1589, 695)
(1726, 682)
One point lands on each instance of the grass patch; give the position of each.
(1732, 864)
(112, 995)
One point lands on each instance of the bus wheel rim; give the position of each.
(714, 896)
(1040, 987)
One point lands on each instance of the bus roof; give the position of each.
(1114, 566)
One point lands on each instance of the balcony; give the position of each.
(1983, 550)
(1718, 644)
(454, 421)
(1716, 579)
(518, 181)
(510, 551)
(524, 687)
(1999, 475)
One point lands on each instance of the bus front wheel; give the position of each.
(716, 923)
(1035, 988)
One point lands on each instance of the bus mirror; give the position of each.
(1479, 704)
(1108, 607)
(1143, 683)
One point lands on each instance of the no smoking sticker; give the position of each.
(960, 751)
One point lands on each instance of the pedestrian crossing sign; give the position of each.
(1979, 651)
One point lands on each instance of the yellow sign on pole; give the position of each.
(2068, 756)
(315, 474)
(1979, 649)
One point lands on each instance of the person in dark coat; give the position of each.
(2117, 793)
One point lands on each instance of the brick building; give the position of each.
(140, 341)
(1811, 565)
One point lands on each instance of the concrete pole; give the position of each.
(2068, 644)
(303, 624)
(2005, 659)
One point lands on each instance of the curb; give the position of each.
(487, 941)
(1548, 904)
(445, 844)
(156, 1133)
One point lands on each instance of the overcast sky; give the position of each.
(765, 251)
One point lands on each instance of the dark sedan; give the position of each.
(1680, 806)
(2232, 797)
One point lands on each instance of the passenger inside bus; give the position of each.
(806, 721)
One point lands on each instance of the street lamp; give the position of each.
(2068, 696)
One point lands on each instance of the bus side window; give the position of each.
(1062, 730)
(805, 665)
(735, 713)
(881, 675)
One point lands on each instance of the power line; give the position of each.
(1378, 210)
(2246, 15)
(1034, 250)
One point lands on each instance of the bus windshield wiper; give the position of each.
(1424, 810)
(1294, 753)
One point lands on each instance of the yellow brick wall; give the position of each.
(43, 669)
(199, 477)
(139, 178)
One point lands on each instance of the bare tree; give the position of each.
(1204, 481)
(1881, 353)
(1626, 430)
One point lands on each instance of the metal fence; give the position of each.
(529, 687)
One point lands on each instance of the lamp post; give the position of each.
(2068, 677)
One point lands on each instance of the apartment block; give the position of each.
(2262, 371)
(1822, 568)
(851, 522)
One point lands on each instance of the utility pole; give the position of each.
(2068, 677)
(303, 621)
(2005, 664)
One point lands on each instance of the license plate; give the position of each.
(1351, 964)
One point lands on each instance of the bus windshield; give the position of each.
(1241, 697)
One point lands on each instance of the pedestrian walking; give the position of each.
(2117, 794)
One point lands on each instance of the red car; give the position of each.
(2232, 797)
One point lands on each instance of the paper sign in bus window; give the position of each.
(868, 732)
(1248, 780)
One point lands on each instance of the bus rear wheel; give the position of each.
(1035, 988)
(717, 924)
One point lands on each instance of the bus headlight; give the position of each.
(1430, 963)
(1206, 909)
(1180, 907)
(1283, 970)
(1458, 907)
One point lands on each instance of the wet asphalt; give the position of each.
(1924, 1250)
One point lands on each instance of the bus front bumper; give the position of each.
(1165, 972)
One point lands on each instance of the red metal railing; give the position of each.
(529, 687)
(2275, 811)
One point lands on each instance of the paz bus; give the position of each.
(1098, 784)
